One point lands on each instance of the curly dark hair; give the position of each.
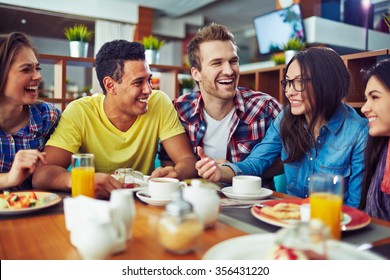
(111, 57)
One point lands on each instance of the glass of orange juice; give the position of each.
(326, 200)
(83, 173)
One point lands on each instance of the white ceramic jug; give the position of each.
(122, 203)
(97, 240)
(205, 201)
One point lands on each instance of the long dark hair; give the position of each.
(381, 71)
(330, 80)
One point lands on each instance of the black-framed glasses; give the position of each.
(299, 84)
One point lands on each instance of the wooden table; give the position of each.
(44, 236)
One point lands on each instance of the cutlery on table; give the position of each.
(244, 205)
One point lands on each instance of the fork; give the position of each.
(244, 205)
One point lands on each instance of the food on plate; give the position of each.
(131, 185)
(304, 241)
(281, 252)
(127, 181)
(283, 211)
(19, 200)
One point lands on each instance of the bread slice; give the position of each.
(283, 211)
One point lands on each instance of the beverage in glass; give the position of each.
(326, 200)
(83, 172)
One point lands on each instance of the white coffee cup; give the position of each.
(163, 188)
(305, 212)
(246, 184)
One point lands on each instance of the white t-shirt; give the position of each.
(216, 138)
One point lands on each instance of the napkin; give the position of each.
(80, 208)
(95, 229)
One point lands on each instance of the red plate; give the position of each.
(359, 219)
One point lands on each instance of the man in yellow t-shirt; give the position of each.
(121, 127)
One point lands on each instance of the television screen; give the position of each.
(274, 29)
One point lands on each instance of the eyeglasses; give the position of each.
(299, 84)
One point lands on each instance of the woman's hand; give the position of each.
(24, 165)
(207, 167)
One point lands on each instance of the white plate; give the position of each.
(263, 193)
(49, 198)
(256, 247)
(144, 196)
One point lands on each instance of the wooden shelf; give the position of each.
(169, 82)
(263, 79)
(60, 64)
(357, 62)
(268, 79)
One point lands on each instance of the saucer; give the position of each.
(145, 197)
(262, 193)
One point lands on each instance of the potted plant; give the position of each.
(152, 46)
(187, 84)
(278, 58)
(292, 47)
(78, 36)
(386, 18)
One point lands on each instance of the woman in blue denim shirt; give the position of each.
(315, 133)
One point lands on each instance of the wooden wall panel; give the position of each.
(144, 27)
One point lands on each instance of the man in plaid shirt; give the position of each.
(224, 119)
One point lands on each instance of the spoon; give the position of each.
(144, 195)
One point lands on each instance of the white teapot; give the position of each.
(205, 201)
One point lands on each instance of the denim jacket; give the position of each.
(339, 150)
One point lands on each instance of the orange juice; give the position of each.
(327, 208)
(83, 181)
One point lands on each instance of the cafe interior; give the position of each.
(193, 219)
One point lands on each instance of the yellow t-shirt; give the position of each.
(85, 128)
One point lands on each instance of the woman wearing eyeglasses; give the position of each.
(315, 133)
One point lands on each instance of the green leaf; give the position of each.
(78, 32)
(152, 43)
(294, 44)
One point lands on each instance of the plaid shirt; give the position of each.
(44, 118)
(253, 115)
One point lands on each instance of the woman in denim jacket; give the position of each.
(315, 133)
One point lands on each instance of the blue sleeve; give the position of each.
(357, 169)
(264, 153)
